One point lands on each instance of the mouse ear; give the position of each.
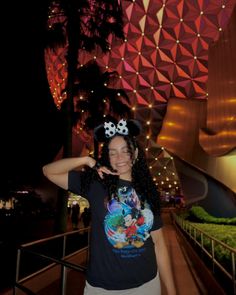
(99, 133)
(134, 127)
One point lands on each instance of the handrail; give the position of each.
(64, 264)
(192, 231)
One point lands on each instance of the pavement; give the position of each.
(186, 279)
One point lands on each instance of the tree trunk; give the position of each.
(72, 58)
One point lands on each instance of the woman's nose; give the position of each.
(119, 156)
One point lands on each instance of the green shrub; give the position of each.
(198, 214)
(223, 233)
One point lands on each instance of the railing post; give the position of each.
(202, 244)
(64, 246)
(233, 271)
(64, 280)
(213, 255)
(17, 269)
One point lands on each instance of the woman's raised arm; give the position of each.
(57, 172)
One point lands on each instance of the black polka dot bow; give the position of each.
(111, 129)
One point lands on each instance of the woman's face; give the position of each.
(120, 157)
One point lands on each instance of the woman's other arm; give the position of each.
(163, 261)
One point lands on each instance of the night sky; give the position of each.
(31, 128)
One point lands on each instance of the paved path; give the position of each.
(186, 279)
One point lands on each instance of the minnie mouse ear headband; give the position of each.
(124, 127)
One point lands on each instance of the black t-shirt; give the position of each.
(122, 254)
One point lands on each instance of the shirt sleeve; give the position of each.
(74, 182)
(158, 223)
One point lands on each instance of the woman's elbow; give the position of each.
(45, 171)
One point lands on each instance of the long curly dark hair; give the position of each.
(142, 180)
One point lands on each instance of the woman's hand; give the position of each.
(91, 162)
(103, 169)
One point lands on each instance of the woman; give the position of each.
(128, 250)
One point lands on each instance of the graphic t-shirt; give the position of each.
(122, 254)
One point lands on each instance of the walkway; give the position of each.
(186, 279)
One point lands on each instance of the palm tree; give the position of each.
(79, 24)
(98, 100)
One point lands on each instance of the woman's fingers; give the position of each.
(105, 170)
(100, 173)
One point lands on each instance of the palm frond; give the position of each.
(96, 97)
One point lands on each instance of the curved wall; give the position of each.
(201, 189)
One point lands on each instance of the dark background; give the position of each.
(30, 123)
